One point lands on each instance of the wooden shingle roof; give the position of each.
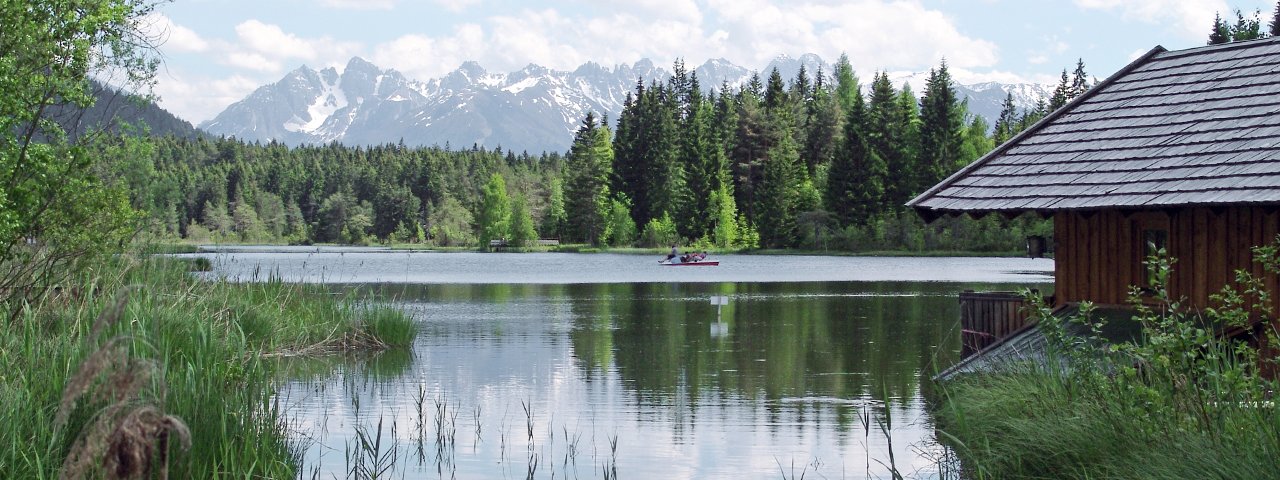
(1173, 128)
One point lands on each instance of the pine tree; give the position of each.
(588, 168)
(847, 90)
(1275, 22)
(1061, 93)
(822, 128)
(778, 194)
(846, 181)
(885, 136)
(941, 129)
(1008, 121)
(1079, 81)
(1220, 33)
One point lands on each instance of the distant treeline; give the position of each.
(809, 163)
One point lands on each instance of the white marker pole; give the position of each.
(719, 301)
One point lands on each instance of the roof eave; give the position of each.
(934, 213)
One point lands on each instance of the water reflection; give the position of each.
(549, 379)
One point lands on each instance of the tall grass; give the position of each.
(1180, 402)
(207, 342)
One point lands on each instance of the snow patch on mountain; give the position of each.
(533, 109)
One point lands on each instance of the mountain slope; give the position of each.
(534, 109)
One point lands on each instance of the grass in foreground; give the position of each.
(181, 355)
(1178, 403)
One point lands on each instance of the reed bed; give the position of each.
(139, 369)
(1178, 402)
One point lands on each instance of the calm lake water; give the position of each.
(607, 366)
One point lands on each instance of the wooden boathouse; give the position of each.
(1179, 149)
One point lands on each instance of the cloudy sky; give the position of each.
(218, 51)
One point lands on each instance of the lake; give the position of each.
(547, 365)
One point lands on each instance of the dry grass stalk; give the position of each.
(130, 437)
(124, 442)
(104, 360)
(357, 340)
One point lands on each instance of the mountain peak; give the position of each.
(534, 109)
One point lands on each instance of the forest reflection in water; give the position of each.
(824, 379)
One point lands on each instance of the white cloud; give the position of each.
(268, 48)
(1190, 18)
(171, 37)
(457, 6)
(199, 99)
(360, 4)
(423, 57)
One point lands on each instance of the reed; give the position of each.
(182, 360)
(1180, 402)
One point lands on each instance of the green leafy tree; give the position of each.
(554, 219)
(1246, 28)
(725, 233)
(55, 213)
(522, 231)
(620, 228)
(451, 223)
(495, 212)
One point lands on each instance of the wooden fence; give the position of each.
(987, 317)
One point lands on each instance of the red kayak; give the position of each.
(675, 262)
(704, 263)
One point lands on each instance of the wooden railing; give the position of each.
(987, 317)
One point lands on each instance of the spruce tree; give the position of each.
(1007, 124)
(587, 171)
(941, 129)
(1061, 93)
(1275, 22)
(847, 90)
(1220, 33)
(845, 185)
(885, 138)
(1079, 81)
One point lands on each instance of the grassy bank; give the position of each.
(1179, 402)
(138, 360)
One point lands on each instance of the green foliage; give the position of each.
(588, 168)
(55, 211)
(522, 231)
(725, 233)
(660, 232)
(206, 345)
(1179, 401)
(495, 212)
(450, 223)
(620, 230)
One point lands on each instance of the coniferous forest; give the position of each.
(816, 162)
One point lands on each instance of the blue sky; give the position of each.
(218, 51)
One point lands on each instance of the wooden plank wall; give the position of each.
(1099, 254)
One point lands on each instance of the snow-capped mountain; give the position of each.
(534, 109)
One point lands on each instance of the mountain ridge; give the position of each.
(532, 109)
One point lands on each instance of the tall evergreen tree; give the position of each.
(1079, 81)
(855, 184)
(778, 194)
(822, 128)
(1275, 22)
(941, 129)
(885, 135)
(588, 168)
(1007, 124)
(847, 90)
(1061, 93)
(1221, 33)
